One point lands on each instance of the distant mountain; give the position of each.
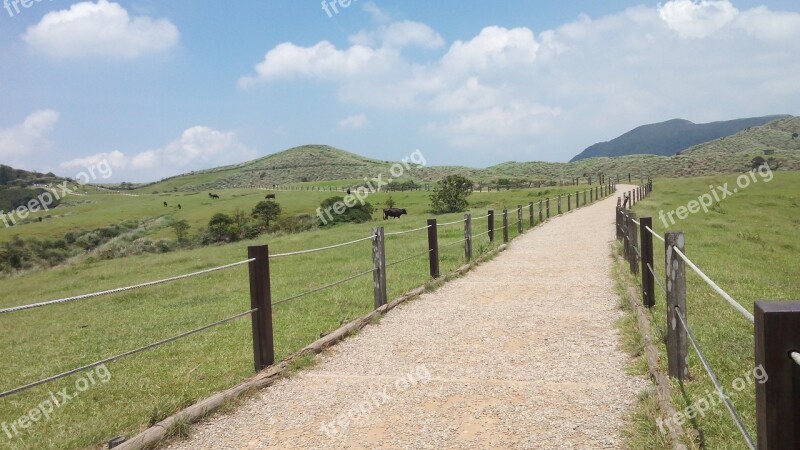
(16, 186)
(670, 137)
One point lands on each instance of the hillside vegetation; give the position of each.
(670, 137)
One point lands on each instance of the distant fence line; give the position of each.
(777, 329)
(258, 261)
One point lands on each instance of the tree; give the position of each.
(795, 135)
(180, 227)
(266, 211)
(450, 194)
(390, 202)
(219, 226)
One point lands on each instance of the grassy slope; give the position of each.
(749, 246)
(154, 384)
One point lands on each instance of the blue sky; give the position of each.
(159, 88)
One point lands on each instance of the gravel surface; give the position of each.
(520, 353)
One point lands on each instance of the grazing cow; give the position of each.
(215, 196)
(272, 196)
(393, 212)
(179, 206)
(165, 204)
(348, 191)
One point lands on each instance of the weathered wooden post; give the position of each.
(584, 197)
(619, 224)
(505, 225)
(519, 219)
(433, 247)
(677, 342)
(634, 242)
(261, 301)
(491, 225)
(468, 237)
(648, 279)
(530, 213)
(569, 202)
(777, 328)
(559, 204)
(379, 266)
(548, 207)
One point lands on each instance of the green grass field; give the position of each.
(748, 244)
(150, 386)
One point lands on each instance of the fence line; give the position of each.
(122, 289)
(735, 415)
(313, 250)
(322, 288)
(260, 290)
(122, 355)
(397, 233)
(714, 286)
(775, 323)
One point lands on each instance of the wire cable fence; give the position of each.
(121, 289)
(734, 414)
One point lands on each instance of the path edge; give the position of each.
(158, 433)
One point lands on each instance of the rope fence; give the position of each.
(450, 223)
(734, 414)
(714, 286)
(122, 289)
(314, 250)
(398, 233)
(409, 258)
(776, 326)
(322, 288)
(123, 355)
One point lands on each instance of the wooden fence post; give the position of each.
(261, 299)
(379, 266)
(584, 197)
(559, 204)
(519, 219)
(569, 202)
(634, 242)
(433, 247)
(777, 328)
(577, 199)
(530, 213)
(505, 225)
(491, 225)
(468, 237)
(677, 342)
(548, 207)
(648, 280)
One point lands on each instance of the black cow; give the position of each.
(272, 196)
(165, 203)
(393, 212)
(179, 206)
(213, 195)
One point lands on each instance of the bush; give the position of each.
(357, 213)
(450, 194)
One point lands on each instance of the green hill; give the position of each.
(320, 165)
(670, 137)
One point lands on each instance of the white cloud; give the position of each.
(116, 159)
(19, 142)
(376, 13)
(198, 147)
(565, 88)
(400, 35)
(100, 29)
(697, 19)
(356, 122)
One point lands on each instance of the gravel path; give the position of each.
(520, 353)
